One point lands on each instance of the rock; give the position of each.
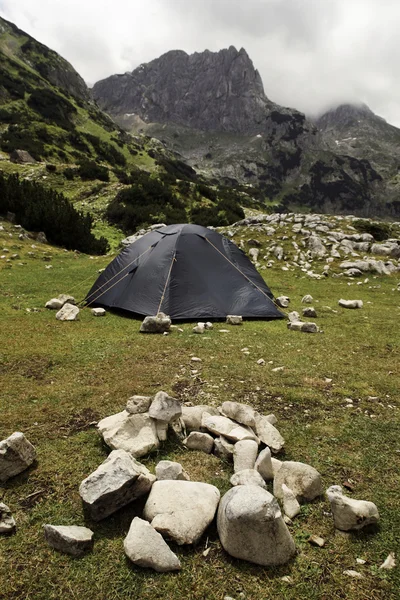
(353, 273)
(98, 312)
(41, 237)
(208, 326)
(66, 298)
(294, 316)
(72, 540)
(303, 327)
(162, 430)
(192, 416)
(244, 455)
(283, 301)
(268, 434)
(263, 464)
(303, 480)
(389, 563)
(138, 404)
(199, 328)
(135, 433)
(156, 324)
(223, 449)
(7, 522)
(250, 527)
(145, 547)
(16, 455)
(261, 362)
(181, 510)
(291, 507)
(354, 574)
(203, 442)
(54, 304)
(69, 312)
(315, 540)
(309, 312)
(247, 477)
(316, 246)
(253, 253)
(21, 157)
(348, 513)
(242, 413)
(307, 299)
(166, 469)
(223, 426)
(118, 481)
(276, 465)
(350, 303)
(234, 320)
(165, 408)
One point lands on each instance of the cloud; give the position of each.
(311, 54)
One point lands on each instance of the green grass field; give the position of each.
(59, 378)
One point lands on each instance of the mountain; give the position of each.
(211, 108)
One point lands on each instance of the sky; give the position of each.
(311, 54)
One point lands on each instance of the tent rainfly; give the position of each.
(186, 271)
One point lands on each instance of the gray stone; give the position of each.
(309, 312)
(228, 428)
(303, 327)
(244, 455)
(136, 433)
(234, 320)
(69, 312)
(269, 434)
(145, 547)
(72, 540)
(348, 513)
(276, 465)
(66, 298)
(156, 324)
(242, 413)
(353, 273)
(294, 316)
(251, 527)
(291, 507)
(303, 480)
(98, 312)
(223, 449)
(165, 408)
(283, 301)
(203, 442)
(350, 303)
(181, 510)
(307, 299)
(7, 522)
(138, 404)
(16, 455)
(199, 328)
(54, 304)
(247, 477)
(167, 469)
(263, 464)
(192, 416)
(118, 481)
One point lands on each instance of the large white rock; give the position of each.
(306, 327)
(244, 455)
(145, 547)
(304, 481)
(7, 522)
(242, 413)
(165, 408)
(98, 312)
(223, 449)
(268, 434)
(234, 320)
(350, 303)
(69, 312)
(228, 428)
(263, 464)
(16, 455)
(247, 477)
(69, 539)
(167, 469)
(192, 416)
(349, 513)
(119, 480)
(181, 510)
(197, 440)
(136, 433)
(251, 527)
(54, 304)
(156, 324)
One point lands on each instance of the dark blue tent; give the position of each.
(186, 271)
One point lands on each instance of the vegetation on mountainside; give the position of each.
(40, 209)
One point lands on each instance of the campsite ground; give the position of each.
(59, 378)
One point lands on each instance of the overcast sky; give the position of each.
(311, 54)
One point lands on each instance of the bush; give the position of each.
(51, 168)
(70, 173)
(380, 231)
(89, 170)
(40, 209)
(20, 138)
(105, 151)
(51, 106)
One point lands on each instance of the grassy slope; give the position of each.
(57, 378)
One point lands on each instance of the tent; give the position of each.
(186, 271)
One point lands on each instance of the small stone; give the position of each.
(291, 507)
(72, 540)
(98, 312)
(307, 299)
(261, 362)
(156, 324)
(309, 312)
(303, 480)
(283, 301)
(208, 326)
(234, 320)
(202, 442)
(167, 469)
(244, 455)
(278, 369)
(389, 563)
(350, 303)
(7, 522)
(247, 477)
(199, 328)
(69, 312)
(145, 547)
(315, 540)
(294, 316)
(287, 579)
(354, 574)
(348, 513)
(263, 464)
(138, 404)
(165, 408)
(16, 455)
(195, 359)
(360, 561)
(307, 327)
(54, 304)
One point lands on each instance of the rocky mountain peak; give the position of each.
(345, 115)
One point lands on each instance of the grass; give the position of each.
(58, 378)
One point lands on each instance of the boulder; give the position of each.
(242, 413)
(234, 320)
(244, 455)
(251, 527)
(294, 316)
(203, 442)
(145, 547)
(223, 449)
(268, 434)
(72, 540)
(66, 298)
(138, 404)
(16, 455)
(54, 304)
(165, 408)
(192, 416)
(156, 324)
(223, 426)
(118, 481)
(181, 510)
(21, 157)
(283, 301)
(348, 513)
(98, 312)
(263, 464)
(291, 507)
(167, 469)
(135, 433)
(199, 328)
(247, 477)
(309, 312)
(350, 303)
(7, 522)
(69, 312)
(303, 480)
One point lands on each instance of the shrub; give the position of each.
(52, 107)
(89, 170)
(51, 168)
(106, 151)
(380, 231)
